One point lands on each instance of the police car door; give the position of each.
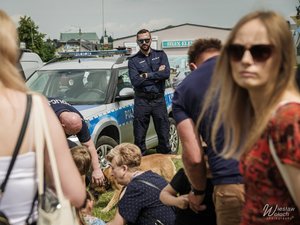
(124, 88)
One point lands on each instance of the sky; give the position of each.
(125, 17)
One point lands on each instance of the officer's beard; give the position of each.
(145, 48)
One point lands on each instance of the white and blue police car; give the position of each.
(98, 85)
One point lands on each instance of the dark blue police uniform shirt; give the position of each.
(139, 197)
(59, 106)
(139, 63)
(187, 100)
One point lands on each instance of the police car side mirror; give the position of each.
(125, 94)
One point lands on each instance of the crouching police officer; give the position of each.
(148, 70)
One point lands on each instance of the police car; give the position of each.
(98, 85)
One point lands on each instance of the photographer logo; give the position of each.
(274, 212)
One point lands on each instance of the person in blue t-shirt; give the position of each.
(73, 124)
(228, 193)
(139, 203)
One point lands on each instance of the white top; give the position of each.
(20, 189)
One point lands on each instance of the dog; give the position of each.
(161, 164)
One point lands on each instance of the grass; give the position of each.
(103, 201)
(105, 198)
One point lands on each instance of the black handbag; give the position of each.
(3, 218)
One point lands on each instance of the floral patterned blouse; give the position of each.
(267, 199)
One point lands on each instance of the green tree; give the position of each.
(48, 50)
(34, 40)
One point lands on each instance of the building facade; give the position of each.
(175, 40)
(72, 42)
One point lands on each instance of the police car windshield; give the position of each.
(78, 87)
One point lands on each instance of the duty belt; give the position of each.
(149, 95)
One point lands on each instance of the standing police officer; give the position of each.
(148, 70)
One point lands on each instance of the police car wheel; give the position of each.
(103, 146)
(174, 139)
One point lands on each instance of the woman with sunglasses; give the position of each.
(254, 87)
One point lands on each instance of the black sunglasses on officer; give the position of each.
(143, 41)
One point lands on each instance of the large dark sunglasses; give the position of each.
(260, 53)
(142, 41)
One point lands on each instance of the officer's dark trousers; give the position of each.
(143, 109)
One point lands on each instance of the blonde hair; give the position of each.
(9, 55)
(82, 158)
(235, 112)
(126, 154)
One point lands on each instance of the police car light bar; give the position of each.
(95, 53)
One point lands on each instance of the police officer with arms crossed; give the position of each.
(148, 70)
(73, 124)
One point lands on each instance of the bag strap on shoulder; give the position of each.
(144, 213)
(147, 183)
(19, 142)
(282, 170)
(31, 209)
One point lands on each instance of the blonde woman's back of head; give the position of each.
(9, 54)
(126, 154)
